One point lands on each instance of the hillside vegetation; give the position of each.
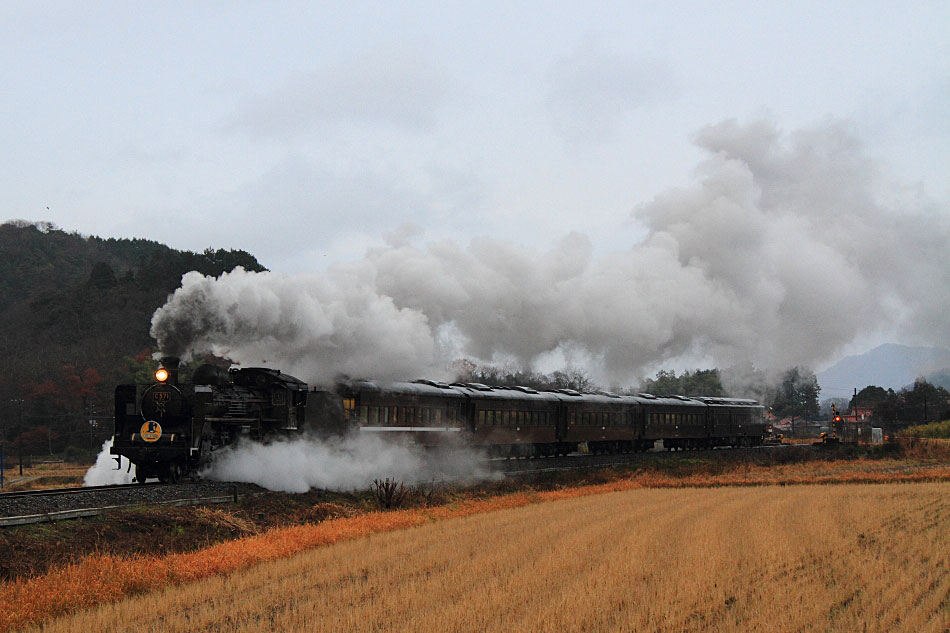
(73, 310)
(827, 558)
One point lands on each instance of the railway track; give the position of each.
(55, 492)
(516, 468)
(37, 506)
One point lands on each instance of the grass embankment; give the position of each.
(935, 430)
(105, 578)
(39, 475)
(808, 558)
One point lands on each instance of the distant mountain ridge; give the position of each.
(890, 366)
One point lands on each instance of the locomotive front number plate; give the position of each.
(151, 431)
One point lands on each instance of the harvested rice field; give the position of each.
(798, 558)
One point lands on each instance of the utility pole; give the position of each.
(19, 418)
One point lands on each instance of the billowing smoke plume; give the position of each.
(348, 463)
(784, 250)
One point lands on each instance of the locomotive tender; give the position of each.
(170, 429)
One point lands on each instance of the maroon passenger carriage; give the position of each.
(524, 422)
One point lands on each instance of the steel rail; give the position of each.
(56, 492)
(77, 513)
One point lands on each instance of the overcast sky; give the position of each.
(303, 132)
(307, 133)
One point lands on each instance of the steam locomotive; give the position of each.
(169, 429)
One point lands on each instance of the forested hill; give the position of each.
(74, 309)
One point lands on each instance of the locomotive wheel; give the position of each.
(141, 474)
(172, 474)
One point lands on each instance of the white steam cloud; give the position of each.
(785, 249)
(349, 463)
(104, 473)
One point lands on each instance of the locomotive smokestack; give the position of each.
(170, 363)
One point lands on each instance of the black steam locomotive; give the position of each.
(169, 429)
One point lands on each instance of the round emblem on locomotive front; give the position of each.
(151, 431)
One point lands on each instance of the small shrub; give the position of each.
(390, 493)
(428, 495)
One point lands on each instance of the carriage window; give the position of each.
(438, 416)
(481, 417)
(451, 415)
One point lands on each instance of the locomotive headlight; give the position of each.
(161, 375)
